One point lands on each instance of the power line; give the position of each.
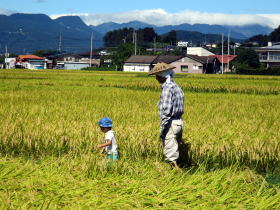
(91, 38)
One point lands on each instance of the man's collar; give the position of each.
(167, 82)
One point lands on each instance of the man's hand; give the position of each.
(162, 132)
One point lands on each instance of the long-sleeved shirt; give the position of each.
(171, 104)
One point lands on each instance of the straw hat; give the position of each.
(160, 67)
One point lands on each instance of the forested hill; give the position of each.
(147, 36)
(262, 40)
(25, 33)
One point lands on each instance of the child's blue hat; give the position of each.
(105, 122)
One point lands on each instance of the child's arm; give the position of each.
(102, 150)
(105, 144)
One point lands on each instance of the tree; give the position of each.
(117, 37)
(122, 53)
(2, 57)
(144, 36)
(170, 37)
(275, 35)
(248, 57)
(260, 39)
(44, 53)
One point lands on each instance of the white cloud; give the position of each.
(7, 12)
(160, 17)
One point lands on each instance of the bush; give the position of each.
(101, 68)
(246, 69)
(272, 71)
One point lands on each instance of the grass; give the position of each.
(49, 132)
(89, 183)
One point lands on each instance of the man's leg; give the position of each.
(170, 149)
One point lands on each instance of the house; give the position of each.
(168, 48)
(75, 65)
(269, 55)
(196, 64)
(104, 52)
(68, 58)
(139, 63)
(212, 45)
(31, 62)
(76, 61)
(107, 62)
(183, 64)
(225, 59)
(10, 63)
(200, 51)
(93, 58)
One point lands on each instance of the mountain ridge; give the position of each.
(238, 32)
(25, 33)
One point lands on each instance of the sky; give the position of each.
(158, 12)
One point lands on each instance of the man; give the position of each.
(171, 109)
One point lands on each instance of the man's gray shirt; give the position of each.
(171, 104)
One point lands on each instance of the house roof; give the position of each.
(154, 59)
(30, 57)
(269, 48)
(203, 48)
(87, 53)
(69, 55)
(202, 59)
(225, 58)
(167, 58)
(148, 59)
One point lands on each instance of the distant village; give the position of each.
(198, 60)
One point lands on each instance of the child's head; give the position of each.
(105, 124)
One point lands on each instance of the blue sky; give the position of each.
(159, 12)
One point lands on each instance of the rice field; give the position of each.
(49, 133)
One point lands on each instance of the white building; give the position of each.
(35, 64)
(76, 65)
(10, 63)
(139, 63)
(269, 55)
(200, 51)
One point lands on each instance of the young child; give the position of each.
(110, 144)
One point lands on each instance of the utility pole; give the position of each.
(222, 53)
(228, 50)
(6, 55)
(91, 40)
(124, 40)
(60, 41)
(228, 42)
(135, 42)
(154, 44)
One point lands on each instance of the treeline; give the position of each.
(145, 37)
(262, 40)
